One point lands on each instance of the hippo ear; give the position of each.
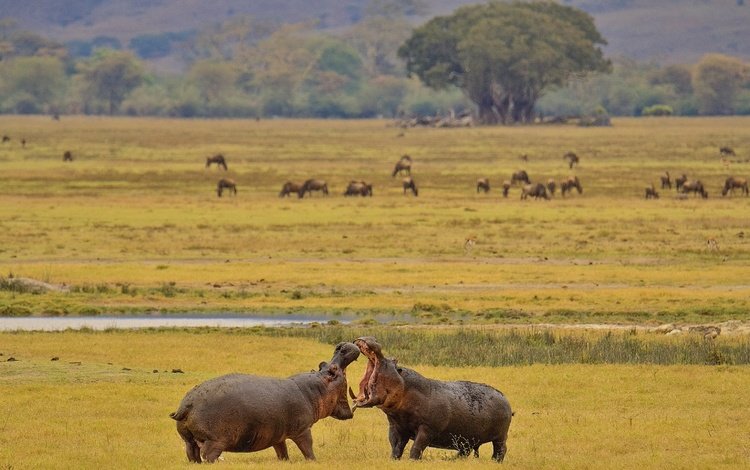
(333, 372)
(321, 365)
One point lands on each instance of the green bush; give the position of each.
(657, 110)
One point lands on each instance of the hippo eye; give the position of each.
(399, 370)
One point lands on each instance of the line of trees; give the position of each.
(510, 62)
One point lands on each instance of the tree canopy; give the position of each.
(505, 55)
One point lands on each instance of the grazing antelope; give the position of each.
(551, 186)
(218, 159)
(6, 139)
(536, 190)
(520, 176)
(67, 156)
(651, 193)
(289, 188)
(228, 184)
(695, 187)
(733, 183)
(569, 184)
(727, 151)
(313, 185)
(483, 184)
(358, 188)
(409, 184)
(403, 165)
(506, 188)
(679, 181)
(666, 182)
(572, 159)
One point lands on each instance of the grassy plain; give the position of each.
(134, 225)
(105, 404)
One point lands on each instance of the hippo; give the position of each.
(248, 413)
(447, 415)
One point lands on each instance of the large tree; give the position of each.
(110, 76)
(717, 80)
(505, 55)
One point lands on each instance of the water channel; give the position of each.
(153, 321)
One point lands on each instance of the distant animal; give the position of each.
(651, 192)
(572, 159)
(313, 185)
(6, 139)
(409, 184)
(458, 415)
(469, 243)
(666, 182)
(506, 188)
(726, 151)
(289, 188)
(551, 186)
(569, 184)
(358, 188)
(712, 244)
(403, 166)
(695, 187)
(520, 177)
(56, 117)
(218, 159)
(483, 184)
(248, 413)
(733, 183)
(534, 190)
(679, 181)
(524, 158)
(23, 143)
(228, 184)
(67, 156)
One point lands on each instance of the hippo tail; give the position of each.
(181, 412)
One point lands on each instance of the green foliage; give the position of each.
(504, 56)
(717, 81)
(658, 110)
(110, 76)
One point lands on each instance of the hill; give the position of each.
(672, 31)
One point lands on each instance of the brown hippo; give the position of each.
(733, 183)
(520, 176)
(447, 415)
(289, 188)
(535, 190)
(248, 413)
(218, 160)
(483, 184)
(226, 183)
(313, 185)
(409, 184)
(403, 165)
(67, 156)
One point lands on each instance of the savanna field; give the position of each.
(133, 225)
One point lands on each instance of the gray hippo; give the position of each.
(447, 415)
(247, 413)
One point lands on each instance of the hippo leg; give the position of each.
(421, 441)
(281, 451)
(304, 442)
(398, 442)
(499, 449)
(212, 450)
(192, 449)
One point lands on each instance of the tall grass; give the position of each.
(517, 347)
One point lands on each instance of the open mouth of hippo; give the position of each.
(371, 350)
